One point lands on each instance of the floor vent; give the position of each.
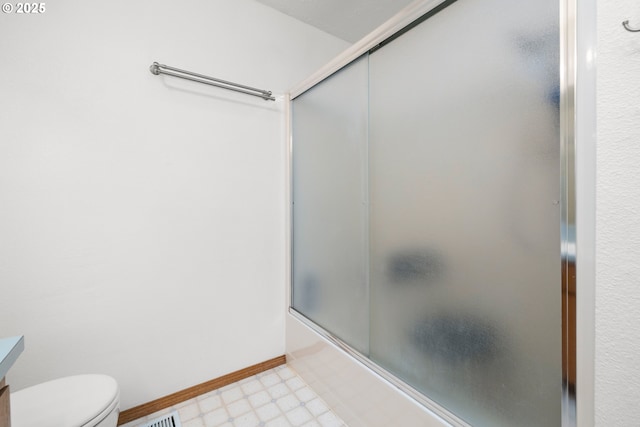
(170, 420)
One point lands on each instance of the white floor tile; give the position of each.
(278, 390)
(295, 383)
(216, 418)
(189, 412)
(317, 407)
(275, 398)
(210, 404)
(305, 394)
(196, 422)
(247, 420)
(270, 379)
(285, 373)
(232, 394)
(252, 387)
(299, 416)
(259, 399)
(288, 402)
(239, 407)
(279, 422)
(268, 412)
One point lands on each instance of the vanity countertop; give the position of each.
(10, 349)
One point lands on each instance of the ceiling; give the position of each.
(349, 20)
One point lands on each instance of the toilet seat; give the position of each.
(76, 401)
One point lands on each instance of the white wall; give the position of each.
(142, 217)
(617, 364)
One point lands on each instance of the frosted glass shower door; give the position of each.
(330, 234)
(465, 217)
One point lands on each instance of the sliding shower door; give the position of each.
(426, 216)
(465, 217)
(330, 212)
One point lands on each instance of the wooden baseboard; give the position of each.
(191, 392)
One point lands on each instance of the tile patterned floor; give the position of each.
(274, 398)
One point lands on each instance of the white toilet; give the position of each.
(76, 401)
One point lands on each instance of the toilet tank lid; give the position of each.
(80, 400)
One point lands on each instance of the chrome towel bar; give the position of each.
(157, 69)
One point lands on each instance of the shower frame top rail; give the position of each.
(157, 69)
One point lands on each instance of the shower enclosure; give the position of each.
(431, 211)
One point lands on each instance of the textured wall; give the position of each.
(618, 217)
(142, 217)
